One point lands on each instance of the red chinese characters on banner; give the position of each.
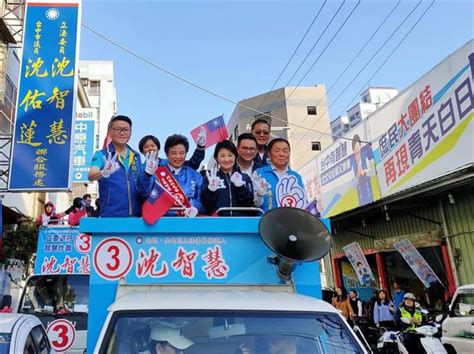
(68, 264)
(49, 266)
(414, 112)
(184, 262)
(84, 265)
(425, 99)
(147, 264)
(216, 267)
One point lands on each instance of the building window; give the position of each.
(236, 132)
(312, 110)
(94, 88)
(85, 82)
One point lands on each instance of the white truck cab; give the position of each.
(225, 321)
(212, 285)
(458, 326)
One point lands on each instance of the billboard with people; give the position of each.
(346, 172)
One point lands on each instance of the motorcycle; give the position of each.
(392, 341)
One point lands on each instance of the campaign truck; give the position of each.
(58, 291)
(212, 285)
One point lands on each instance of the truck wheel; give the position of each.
(449, 348)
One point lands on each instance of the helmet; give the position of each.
(409, 296)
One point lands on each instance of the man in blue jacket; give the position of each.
(118, 169)
(277, 185)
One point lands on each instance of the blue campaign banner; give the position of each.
(176, 251)
(62, 250)
(83, 149)
(42, 139)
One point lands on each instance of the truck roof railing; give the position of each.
(257, 211)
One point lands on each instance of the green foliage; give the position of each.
(20, 242)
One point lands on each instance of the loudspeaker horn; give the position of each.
(295, 236)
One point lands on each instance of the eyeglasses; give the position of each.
(248, 149)
(262, 132)
(121, 130)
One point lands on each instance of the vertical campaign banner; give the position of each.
(42, 140)
(417, 263)
(83, 143)
(359, 263)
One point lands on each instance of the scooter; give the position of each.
(392, 341)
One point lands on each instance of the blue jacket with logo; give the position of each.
(191, 184)
(228, 196)
(272, 178)
(120, 193)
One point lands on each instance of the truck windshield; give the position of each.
(56, 296)
(236, 332)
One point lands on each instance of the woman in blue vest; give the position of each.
(224, 186)
(176, 148)
(277, 185)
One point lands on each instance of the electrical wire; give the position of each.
(182, 79)
(385, 42)
(384, 62)
(359, 52)
(292, 55)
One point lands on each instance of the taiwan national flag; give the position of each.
(215, 129)
(157, 204)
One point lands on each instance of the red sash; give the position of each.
(167, 180)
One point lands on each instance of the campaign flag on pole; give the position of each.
(359, 263)
(157, 204)
(42, 140)
(417, 263)
(215, 129)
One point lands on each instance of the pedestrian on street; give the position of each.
(383, 311)
(341, 302)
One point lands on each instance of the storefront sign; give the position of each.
(417, 263)
(359, 263)
(428, 128)
(42, 139)
(83, 143)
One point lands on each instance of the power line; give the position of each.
(386, 60)
(355, 58)
(359, 72)
(180, 78)
(323, 51)
(316, 43)
(292, 55)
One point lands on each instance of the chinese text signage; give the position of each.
(46, 97)
(83, 144)
(62, 250)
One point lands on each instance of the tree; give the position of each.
(20, 242)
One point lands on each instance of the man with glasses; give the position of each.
(247, 151)
(261, 129)
(119, 171)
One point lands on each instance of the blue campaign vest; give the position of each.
(272, 178)
(120, 193)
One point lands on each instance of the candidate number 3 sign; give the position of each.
(113, 258)
(62, 334)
